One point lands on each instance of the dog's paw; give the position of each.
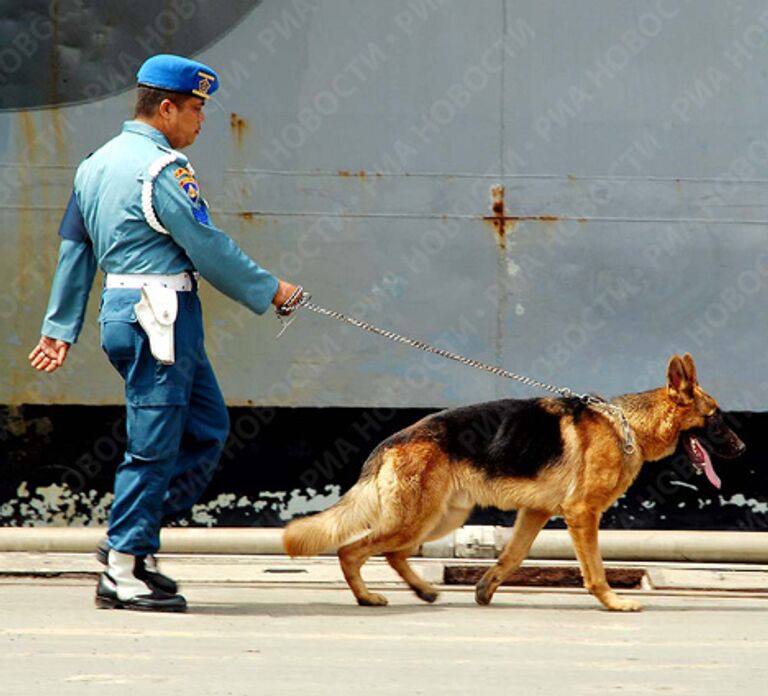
(482, 595)
(372, 600)
(620, 604)
(430, 595)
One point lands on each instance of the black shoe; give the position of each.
(106, 598)
(155, 577)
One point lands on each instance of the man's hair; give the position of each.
(148, 99)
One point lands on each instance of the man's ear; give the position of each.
(165, 107)
(690, 368)
(679, 383)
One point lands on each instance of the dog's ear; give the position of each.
(679, 383)
(690, 368)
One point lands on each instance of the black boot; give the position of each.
(125, 585)
(160, 581)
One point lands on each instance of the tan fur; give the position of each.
(347, 518)
(412, 493)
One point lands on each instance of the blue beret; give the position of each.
(178, 74)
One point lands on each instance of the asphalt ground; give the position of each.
(295, 636)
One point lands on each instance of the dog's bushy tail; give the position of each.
(349, 517)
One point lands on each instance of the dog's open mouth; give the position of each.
(700, 458)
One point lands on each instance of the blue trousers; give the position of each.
(176, 421)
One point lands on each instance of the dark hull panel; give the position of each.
(58, 464)
(67, 51)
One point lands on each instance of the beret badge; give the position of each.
(204, 82)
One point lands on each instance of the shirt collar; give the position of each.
(141, 128)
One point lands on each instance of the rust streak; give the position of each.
(29, 135)
(502, 222)
(499, 220)
(253, 218)
(26, 249)
(60, 142)
(345, 172)
(239, 126)
(539, 218)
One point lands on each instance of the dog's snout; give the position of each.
(733, 447)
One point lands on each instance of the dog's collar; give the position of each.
(614, 411)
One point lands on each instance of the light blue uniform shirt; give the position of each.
(108, 193)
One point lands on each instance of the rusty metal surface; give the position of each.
(574, 199)
(544, 576)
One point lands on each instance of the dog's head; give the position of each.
(701, 420)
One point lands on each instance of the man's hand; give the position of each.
(49, 354)
(284, 291)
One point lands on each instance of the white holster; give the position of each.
(156, 312)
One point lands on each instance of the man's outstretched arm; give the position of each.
(215, 255)
(71, 286)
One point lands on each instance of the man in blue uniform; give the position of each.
(137, 213)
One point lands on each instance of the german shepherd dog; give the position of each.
(544, 457)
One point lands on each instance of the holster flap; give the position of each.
(156, 311)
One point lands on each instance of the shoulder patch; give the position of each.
(201, 213)
(188, 183)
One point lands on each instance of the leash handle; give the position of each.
(285, 312)
(297, 298)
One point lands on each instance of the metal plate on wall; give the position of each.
(355, 149)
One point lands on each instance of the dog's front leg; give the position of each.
(527, 526)
(583, 525)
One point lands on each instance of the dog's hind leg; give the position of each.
(454, 517)
(527, 525)
(399, 562)
(583, 526)
(396, 545)
(352, 557)
(413, 496)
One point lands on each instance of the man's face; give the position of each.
(183, 123)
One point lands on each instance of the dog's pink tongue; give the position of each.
(709, 470)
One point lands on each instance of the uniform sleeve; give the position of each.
(69, 293)
(219, 260)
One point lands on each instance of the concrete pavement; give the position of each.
(292, 633)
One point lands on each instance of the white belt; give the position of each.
(181, 282)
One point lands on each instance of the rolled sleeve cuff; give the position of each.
(260, 296)
(59, 332)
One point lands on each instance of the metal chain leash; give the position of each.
(595, 401)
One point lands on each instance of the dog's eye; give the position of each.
(714, 419)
